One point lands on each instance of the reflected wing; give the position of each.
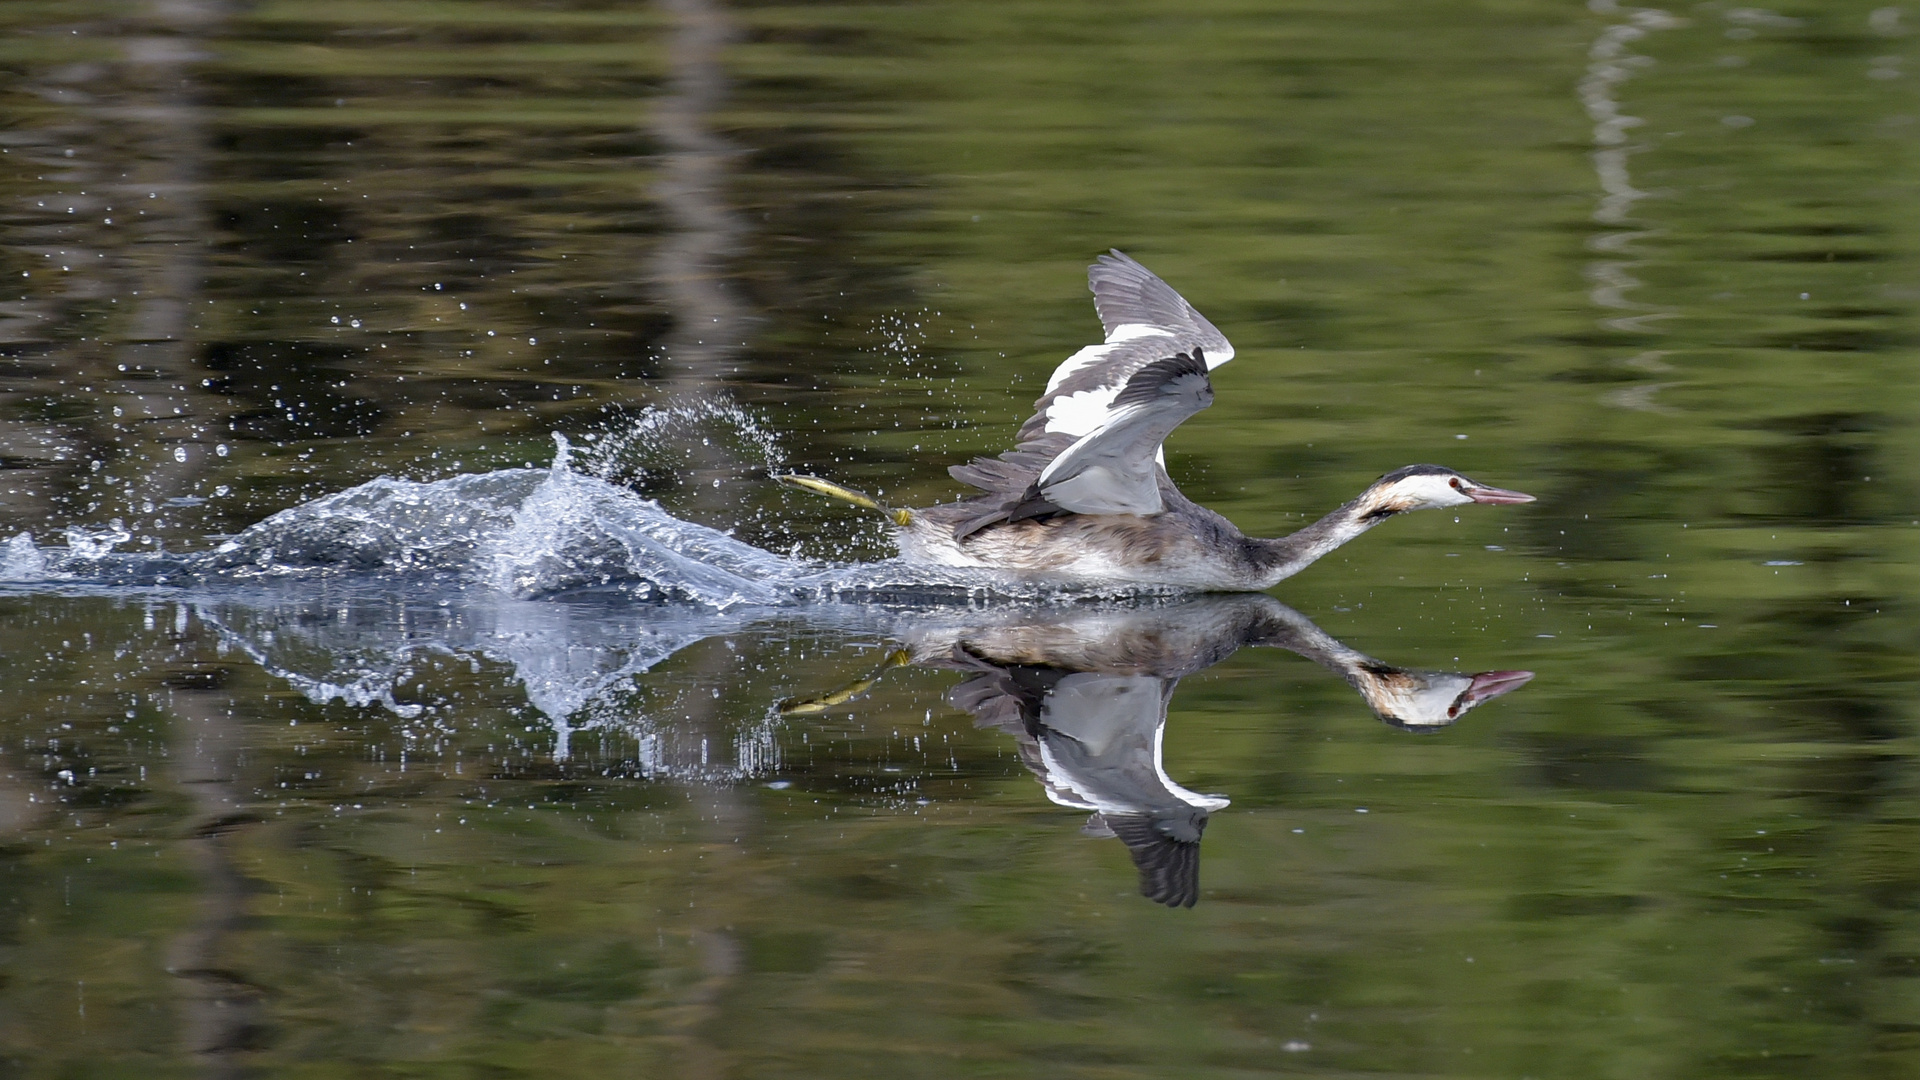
(1166, 852)
(1009, 697)
(1093, 443)
(1100, 736)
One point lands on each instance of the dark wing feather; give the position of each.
(1166, 852)
(1014, 471)
(1163, 378)
(1008, 697)
(1009, 482)
(1124, 292)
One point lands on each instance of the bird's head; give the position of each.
(1430, 487)
(1415, 700)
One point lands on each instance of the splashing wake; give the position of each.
(525, 533)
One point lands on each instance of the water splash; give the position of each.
(93, 545)
(573, 530)
(520, 533)
(633, 448)
(903, 336)
(374, 643)
(21, 561)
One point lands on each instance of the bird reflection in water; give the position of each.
(1084, 692)
(1083, 688)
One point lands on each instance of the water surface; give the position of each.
(402, 816)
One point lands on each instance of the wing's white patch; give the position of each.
(1085, 358)
(1219, 354)
(1082, 413)
(1094, 354)
(1133, 331)
(1192, 798)
(1060, 796)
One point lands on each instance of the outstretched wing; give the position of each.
(1093, 443)
(1145, 320)
(1113, 469)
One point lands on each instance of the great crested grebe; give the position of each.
(1084, 494)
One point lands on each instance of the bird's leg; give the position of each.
(813, 706)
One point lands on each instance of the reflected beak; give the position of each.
(1496, 496)
(1491, 684)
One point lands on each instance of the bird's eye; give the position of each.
(1455, 482)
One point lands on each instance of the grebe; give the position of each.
(1084, 494)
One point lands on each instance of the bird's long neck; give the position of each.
(1276, 560)
(1281, 627)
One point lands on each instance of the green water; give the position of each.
(1689, 848)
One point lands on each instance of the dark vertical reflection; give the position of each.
(161, 407)
(691, 264)
(162, 269)
(220, 1010)
(709, 330)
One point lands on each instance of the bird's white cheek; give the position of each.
(1439, 498)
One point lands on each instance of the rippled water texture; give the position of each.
(351, 723)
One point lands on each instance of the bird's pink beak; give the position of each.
(1495, 496)
(1491, 684)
